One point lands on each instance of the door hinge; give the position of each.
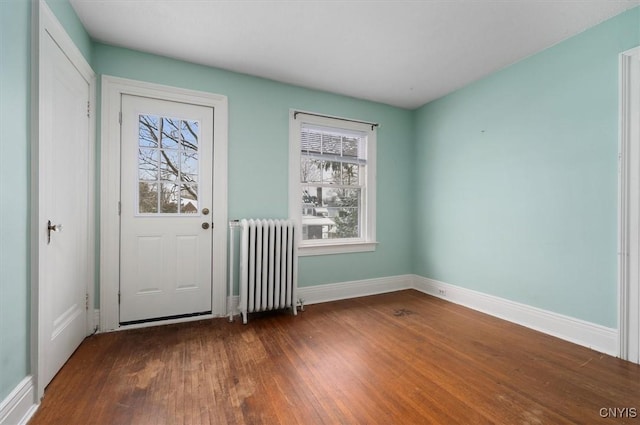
(86, 301)
(120, 118)
(119, 208)
(88, 109)
(118, 297)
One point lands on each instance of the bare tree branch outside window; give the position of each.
(167, 165)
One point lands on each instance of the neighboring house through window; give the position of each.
(332, 183)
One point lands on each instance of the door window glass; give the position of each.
(168, 166)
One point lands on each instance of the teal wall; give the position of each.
(15, 83)
(259, 151)
(517, 178)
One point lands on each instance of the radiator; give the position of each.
(268, 266)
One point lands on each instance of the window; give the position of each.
(167, 165)
(332, 183)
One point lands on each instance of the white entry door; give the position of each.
(63, 228)
(166, 227)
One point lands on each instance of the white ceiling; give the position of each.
(402, 53)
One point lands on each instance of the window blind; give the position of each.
(329, 145)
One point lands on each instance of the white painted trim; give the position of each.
(18, 407)
(305, 251)
(591, 335)
(34, 250)
(112, 90)
(93, 206)
(343, 290)
(353, 289)
(629, 206)
(45, 24)
(581, 332)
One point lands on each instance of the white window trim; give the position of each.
(366, 244)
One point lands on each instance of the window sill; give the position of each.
(343, 248)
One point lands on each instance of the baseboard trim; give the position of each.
(353, 289)
(18, 407)
(342, 290)
(587, 334)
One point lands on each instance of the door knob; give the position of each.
(205, 225)
(205, 211)
(52, 228)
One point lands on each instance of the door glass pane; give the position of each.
(170, 133)
(169, 198)
(148, 131)
(189, 199)
(148, 164)
(190, 134)
(167, 155)
(189, 166)
(169, 165)
(147, 197)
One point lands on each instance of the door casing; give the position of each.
(112, 90)
(629, 207)
(45, 24)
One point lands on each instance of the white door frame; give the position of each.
(45, 24)
(629, 207)
(112, 90)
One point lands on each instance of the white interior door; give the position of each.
(63, 231)
(166, 208)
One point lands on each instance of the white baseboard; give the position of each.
(19, 405)
(343, 290)
(587, 334)
(357, 288)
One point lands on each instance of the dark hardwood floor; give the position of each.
(400, 358)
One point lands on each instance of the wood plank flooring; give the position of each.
(399, 358)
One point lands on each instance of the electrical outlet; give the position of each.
(442, 292)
